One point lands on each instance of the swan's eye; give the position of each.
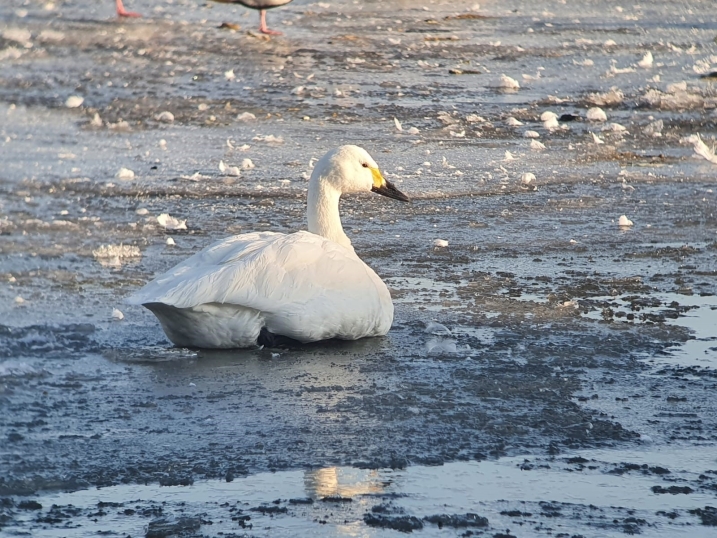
(365, 165)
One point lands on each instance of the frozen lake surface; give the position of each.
(548, 370)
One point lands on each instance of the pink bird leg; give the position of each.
(121, 12)
(262, 24)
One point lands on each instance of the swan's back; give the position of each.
(301, 285)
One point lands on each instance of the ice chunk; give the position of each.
(527, 178)
(654, 128)
(170, 242)
(433, 327)
(165, 117)
(170, 223)
(269, 139)
(596, 114)
(611, 98)
(117, 314)
(547, 115)
(398, 125)
(534, 144)
(125, 174)
(74, 101)
(623, 221)
(551, 124)
(113, 255)
(531, 134)
(508, 83)
(646, 61)
(677, 87)
(512, 122)
(441, 346)
(440, 243)
(246, 116)
(701, 149)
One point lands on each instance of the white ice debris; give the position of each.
(703, 66)
(117, 314)
(677, 99)
(508, 156)
(534, 144)
(611, 98)
(170, 242)
(114, 254)
(74, 101)
(413, 131)
(246, 116)
(646, 61)
(587, 62)
(247, 164)
(19, 300)
(445, 118)
(512, 122)
(701, 149)
(527, 178)
(623, 221)
(141, 211)
(475, 118)
(547, 115)
(125, 174)
(531, 134)
(441, 346)
(617, 128)
(440, 243)
(269, 139)
(654, 128)
(597, 139)
(165, 117)
(438, 329)
(551, 124)
(229, 75)
(615, 70)
(508, 83)
(96, 121)
(229, 170)
(596, 114)
(170, 223)
(398, 125)
(18, 35)
(609, 43)
(677, 87)
(163, 144)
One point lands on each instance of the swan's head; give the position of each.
(351, 169)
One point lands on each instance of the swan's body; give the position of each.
(307, 286)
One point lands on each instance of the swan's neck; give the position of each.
(323, 211)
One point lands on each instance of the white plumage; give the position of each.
(304, 286)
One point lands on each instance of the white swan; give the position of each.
(307, 286)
